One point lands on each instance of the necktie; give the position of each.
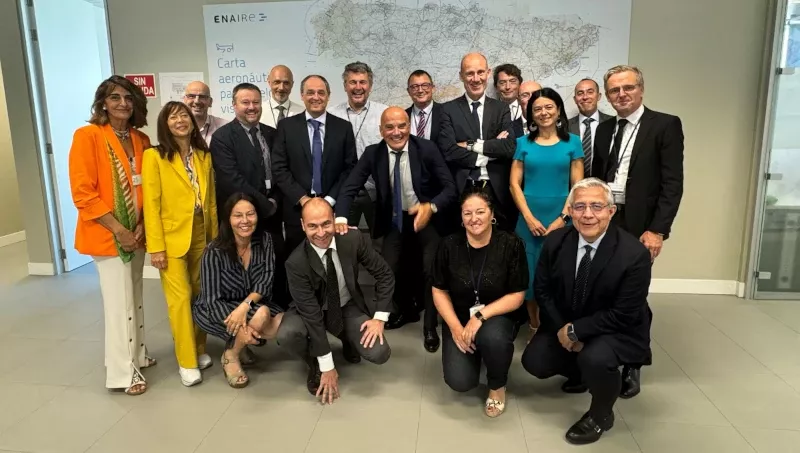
(615, 150)
(581, 278)
(281, 114)
(316, 158)
(475, 116)
(421, 123)
(397, 193)
(333, 316)
(586, 143)
(261, 152)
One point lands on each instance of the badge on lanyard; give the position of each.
(137, 180)
(476, 283)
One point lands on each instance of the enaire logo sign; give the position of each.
(239, 18)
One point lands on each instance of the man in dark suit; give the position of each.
(477, 143)
(314, 152)
(240, 152)
(323, 278)
(526, 90)
(424, 113)
(584, 124)
(507, 83)
(413, 183)
(591, 284)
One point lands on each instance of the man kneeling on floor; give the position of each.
(591, 283)
(323, 279)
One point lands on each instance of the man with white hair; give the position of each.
(197, 96)
(591, 284)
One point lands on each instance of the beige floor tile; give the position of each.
(65, 363)
(687, 438)
(21, 400)
(678, 402)
(772, 441)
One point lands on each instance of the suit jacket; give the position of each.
(655, 176)
(435, 120)
(518, 128)
(458, 126)
(429, 175)
(240, 168)
(306, 277)
(615, 299)
(575, 126)
(291, 161)
(169, 200)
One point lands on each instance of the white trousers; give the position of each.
(121, 288)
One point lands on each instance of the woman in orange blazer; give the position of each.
(104, 164)
(180, 216)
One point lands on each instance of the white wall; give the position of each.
(11, 218)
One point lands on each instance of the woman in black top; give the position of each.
(236, 275)
(479, 280)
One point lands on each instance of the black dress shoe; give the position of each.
(396, 322)
(631, 382)
(573, 385)
(588, 430)
(432, 341)
(350, 353)
(314, 376)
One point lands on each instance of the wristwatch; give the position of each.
(250, 303)
(470, 145)
(434, 209)
(566, 218)
(571, 333)
(479, 316)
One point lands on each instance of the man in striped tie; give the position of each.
(584, 124)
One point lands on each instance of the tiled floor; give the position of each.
(726, 378)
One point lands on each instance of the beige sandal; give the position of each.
(234, 379)
(138, 385)
(494, 408)
(148, 362)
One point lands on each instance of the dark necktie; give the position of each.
(333, 316)
(586, 143)
(421, 123)
(615, 151)
(581, 278)
(475, 117)
(316, 158)
(397, 193)
(261, 152)
(281, 114)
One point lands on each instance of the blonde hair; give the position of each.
(623, 68)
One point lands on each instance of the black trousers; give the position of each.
(494, 344)
(410, 255)
(362, 204)
(597, 366)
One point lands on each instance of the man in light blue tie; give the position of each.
(313, 155)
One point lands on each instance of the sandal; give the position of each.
(234, 379)
(494, 408)
(138, 385)
(148, 362)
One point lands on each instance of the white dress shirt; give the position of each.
(326, 361)
(583, 243)
(211, 125)
(408, 196)
(515, 109)
(366, 128)
(322, 119)
(596, 117)
(626, 148)
(482, 160)
(272, 112)
(426, 134)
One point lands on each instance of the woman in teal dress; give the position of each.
(548, 161)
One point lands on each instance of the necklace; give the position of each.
(122, 135)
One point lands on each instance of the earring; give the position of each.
(462, 224)
(558, 123)
(494, 221)
(104, 108)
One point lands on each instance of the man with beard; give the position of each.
(281, 82)
(198, 97)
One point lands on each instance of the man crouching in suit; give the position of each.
(413, 183)
(323, 280)
(591, 283)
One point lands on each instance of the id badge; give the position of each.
(617, 197)
(137, 180)
(476, 308)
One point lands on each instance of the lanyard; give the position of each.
(627, 143)
(476, 284)
(366, 113)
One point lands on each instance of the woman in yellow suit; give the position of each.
(180, 218)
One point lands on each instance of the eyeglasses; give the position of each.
(595, 207)
(202, 97)
(420, 86)
(625, 88)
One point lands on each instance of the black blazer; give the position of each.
(575, 127)
(518, 128)
(615, 303)
(306, 277)
(238, 167)
(429, 174)
(655, 176)
(291, 161)
(435, 120)
(458, 126)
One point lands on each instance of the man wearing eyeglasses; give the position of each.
(425, 113)
(640, 155)
(591, 284)
(507, 80)
(198, 97)
(584, 124)
(526, 90)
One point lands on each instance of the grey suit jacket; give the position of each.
(575, 127)
(306, 277)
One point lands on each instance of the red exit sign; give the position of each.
(147, 82)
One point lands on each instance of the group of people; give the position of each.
(488, 214)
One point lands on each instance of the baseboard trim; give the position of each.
(12, 238)
(150, 272)
(689, 286)
(41, 269)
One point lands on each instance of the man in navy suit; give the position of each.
(412, 184)
(425, 114)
